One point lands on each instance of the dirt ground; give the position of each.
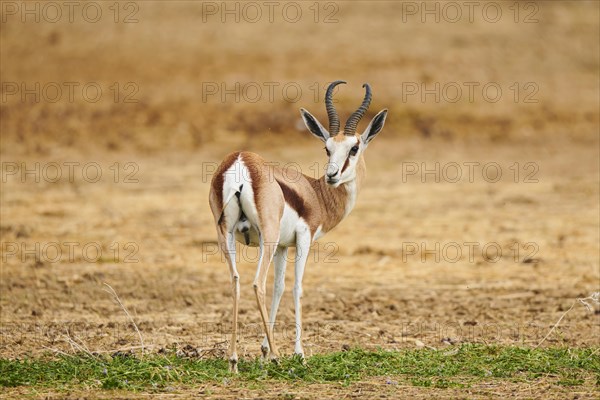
(493, 255)
(365, 285)
(413, 261)
(542, 389)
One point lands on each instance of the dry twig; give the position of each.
(116, 296)
(594, 298)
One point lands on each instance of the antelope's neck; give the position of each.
(337, 203)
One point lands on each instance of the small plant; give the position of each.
(419, 367)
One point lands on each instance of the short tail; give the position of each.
(237, 194)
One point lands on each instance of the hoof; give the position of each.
(300, 357)
(233, 365)
(265, 351)
(273, 354)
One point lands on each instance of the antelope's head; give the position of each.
(344, 148)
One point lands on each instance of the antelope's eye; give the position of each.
(327, 151)
(354, 150)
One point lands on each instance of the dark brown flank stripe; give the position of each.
(294, 200)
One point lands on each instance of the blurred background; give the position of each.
(188, 74)
(152, 94)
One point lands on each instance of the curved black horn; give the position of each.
(352, 122)
(334, 119)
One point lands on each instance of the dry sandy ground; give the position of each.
(367, 285)
(388, 275)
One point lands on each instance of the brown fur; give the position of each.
(294, 200)
(340, 137)
(313, 199)
(317, 203)
(268, 196)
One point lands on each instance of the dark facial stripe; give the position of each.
(346, 164)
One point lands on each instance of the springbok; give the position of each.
(259, 204)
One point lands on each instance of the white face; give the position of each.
(343, 152)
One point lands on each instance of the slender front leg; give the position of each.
(303, 240)
(227, 245)
(279, 262)
(268, 244)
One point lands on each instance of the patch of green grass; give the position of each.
(421, 367)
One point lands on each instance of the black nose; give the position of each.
(332, 174)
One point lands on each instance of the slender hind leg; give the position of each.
(279, 262)
(269, 237)
(227, 245)
(303, 240)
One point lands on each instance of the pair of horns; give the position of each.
(334, 119)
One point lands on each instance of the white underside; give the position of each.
(290, 225)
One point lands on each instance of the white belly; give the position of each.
(290, 225)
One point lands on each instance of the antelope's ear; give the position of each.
(314, 126)
(375, 126)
